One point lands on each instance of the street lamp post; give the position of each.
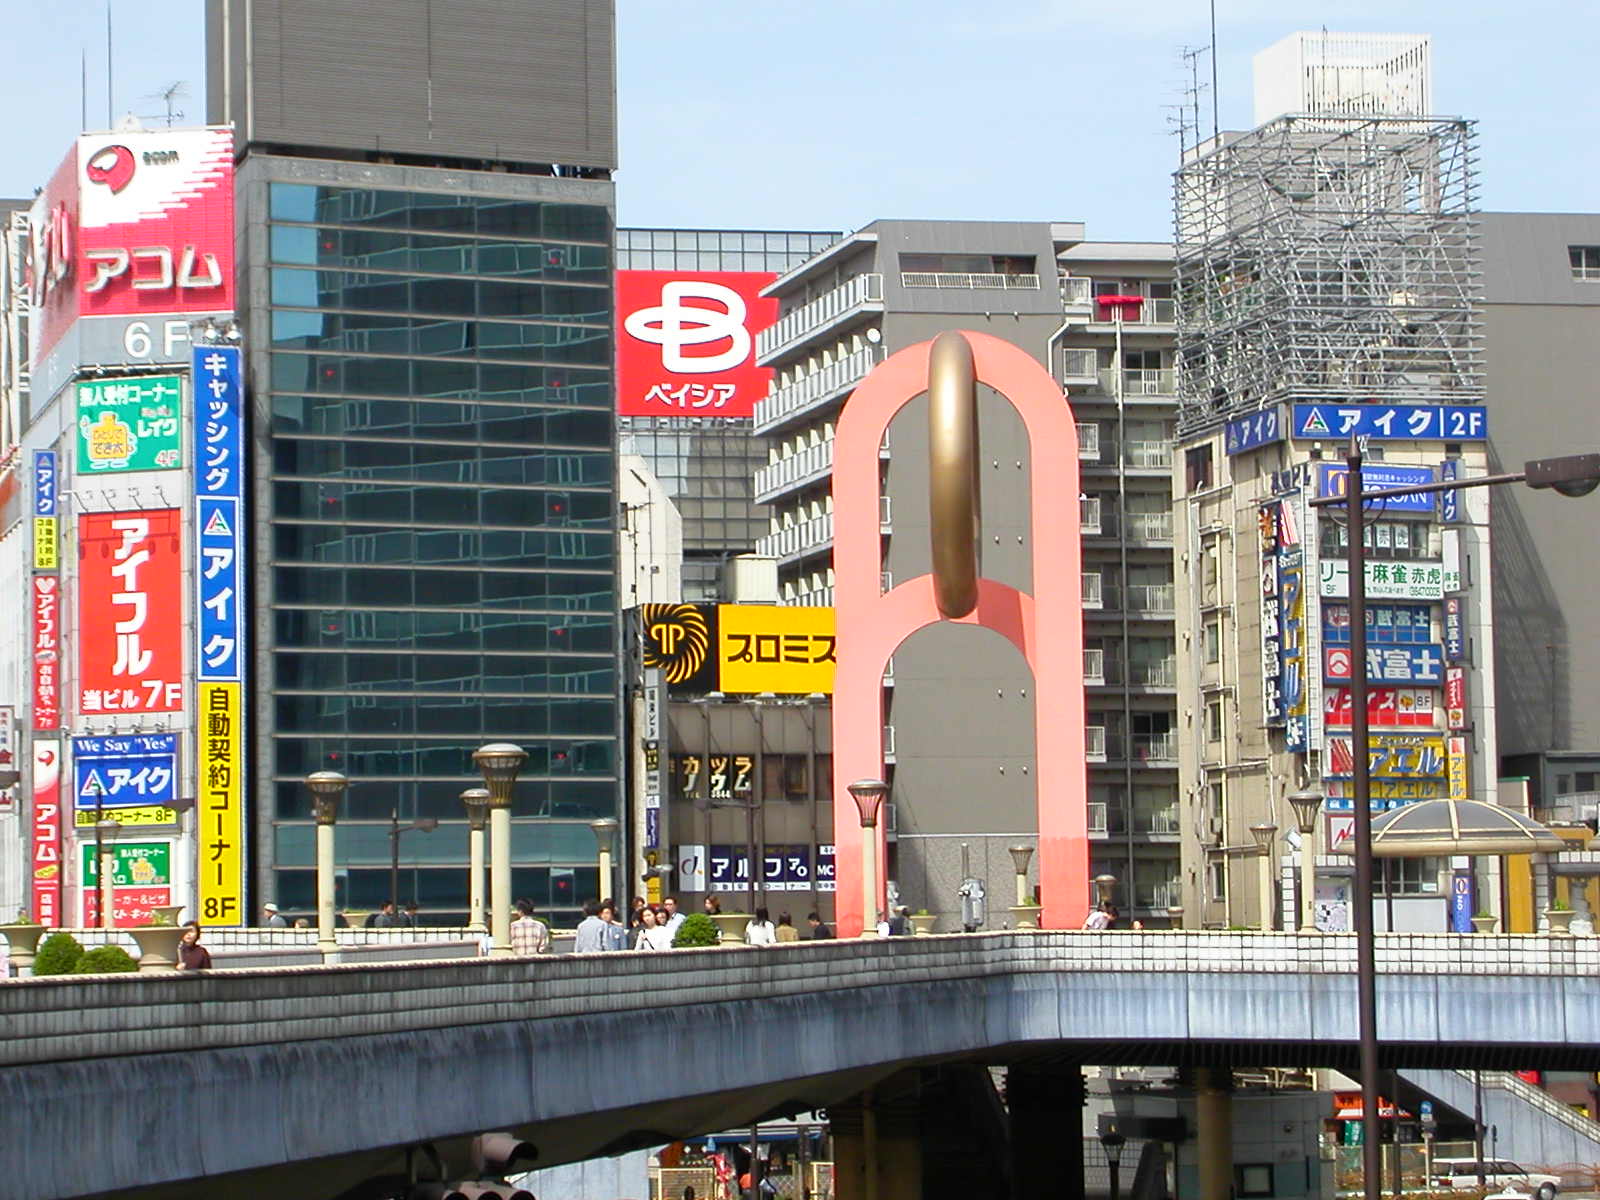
(327, 789)
(421, 825)
(1104, 885)
(476, 801)
(499, 763)
(868, 795)
(1025, 912)
(1307, 805)
(1112, 1142)
(1265, 835)
(1573, 475)
(105, 853)
(605, 829)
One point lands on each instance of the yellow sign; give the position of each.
(221, 805)
(146, 814)
(1456, 773)
(45, 544)
(765, 648)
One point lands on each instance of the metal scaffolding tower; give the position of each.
(1327, 258)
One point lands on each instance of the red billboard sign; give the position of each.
(134, 222)
(1455, 697)
(1387, 707)
(46, 652)
(686, 342)
(130, 612)
(47, 859)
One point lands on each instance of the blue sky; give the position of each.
(828, 114)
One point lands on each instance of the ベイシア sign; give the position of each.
(686, 343)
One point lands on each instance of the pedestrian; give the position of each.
(409, 920)
(636, 912)
(271, 918)
(900, 922)
(653, 934)
(591, 934)
(669, 907)
(302, 923)
(786, 931)
(616, 933)
(713, 906)
(529, 935)
(760, 932)
(192, 956)
(384, 918)
(819, 930)
(1097, 920)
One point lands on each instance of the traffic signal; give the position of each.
(1573, 475)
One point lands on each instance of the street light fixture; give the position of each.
(1307, 806)
(420, 825)
(869, 795)
(605, 832)
(105, 853)
(499, 763)
(1265, 834)
(1112, 1142)
(1103, 886)
(327, 789)
(1024, 912)
(1572, 475)
(476, 801)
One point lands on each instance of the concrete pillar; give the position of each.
(1213, 1118)
(1045, 1104)
(877, 1148)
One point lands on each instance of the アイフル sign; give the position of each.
(130, 612)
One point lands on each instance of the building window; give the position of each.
(1217, 880)
(1214, 719)
(1388, 540)
(1409, 877)
(1585, 263)
(1211, 641)
(1253, 1179)
(1197, 468)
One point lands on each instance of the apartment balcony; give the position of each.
(1089, 442)
(1097, 818)
(1156, 749)
(1147, 456)
(1156, 822)
(799, 399)
(1094, 743)
(811, 322)
(1161, 674)
(1157, 898)
(888, 744)
(1152, 599)
(1113, 820)
(1077, 294)
(1153, 314)
(1140, 382)
(960, 281)
(1079, 368)
(1148, 529)
(1094, 668)
(798, 540)
(795, 471)
(1093, 595)
(1089, 516)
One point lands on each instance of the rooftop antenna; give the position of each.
(110, 120)
(177, 90)
(1216, 121)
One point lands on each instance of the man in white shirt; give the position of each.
(591, 937)
(674, 917)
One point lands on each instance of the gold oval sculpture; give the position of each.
(953, 508)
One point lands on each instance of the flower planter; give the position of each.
(355, 918)
(1560, 921)
(21, 942)
(1485, 924)
(922, 923)
(167, 914)
(730, 927)
(158, 947)
(1024, 916)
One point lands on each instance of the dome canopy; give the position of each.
(1436, 827)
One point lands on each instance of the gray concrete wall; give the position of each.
(335, 1070)
(1533, 1129)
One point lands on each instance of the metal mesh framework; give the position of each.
(1328, 259)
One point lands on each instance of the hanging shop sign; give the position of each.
(1385, 580)
(46, 652)
(131, 778)
(1393, 756)
(740, 649)
(1258, 429)
(1333, 479)
(1455, 630)
(129, 424)
(47, 859)
(1387, 664)
(1455, 698)
(130, 612)
(1387, 707)
(1459, 783)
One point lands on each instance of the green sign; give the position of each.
(137, 864)
(130, 424)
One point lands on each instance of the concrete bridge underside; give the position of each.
(306, 1081)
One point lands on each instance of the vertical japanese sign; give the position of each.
(1271, 617)
(1455, 631)
(220, 648)
(1455, 698)
(1449, 502)
(1292, 615)
(1456, 768)
(45, 489)
(46, 652)
(1461, 902)
(130, 612)
(8, 750)
(47, 861)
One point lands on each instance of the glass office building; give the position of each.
(430, 360)
(708, 464)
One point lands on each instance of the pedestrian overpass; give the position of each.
(303, 1081)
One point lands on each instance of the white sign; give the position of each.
(691, 870)
(1385, 580)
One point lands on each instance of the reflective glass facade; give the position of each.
(432, 390)
(708, 465)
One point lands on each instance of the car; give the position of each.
(1498, 1174)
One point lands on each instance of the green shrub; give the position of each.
(58, 955)
(697, 930)
(104, 960)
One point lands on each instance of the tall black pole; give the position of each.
(394, 858)
(1361, 797)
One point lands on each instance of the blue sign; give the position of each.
(45, 482)
(1460, 903)
(1449, 502)
(1388, 664)
(1455, 631)
(1387, 624)
(825, 875)
(219, 500)
(1393, 422)
(652, 828)
(1333, 479)
(1258, 429)
(125, 770)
